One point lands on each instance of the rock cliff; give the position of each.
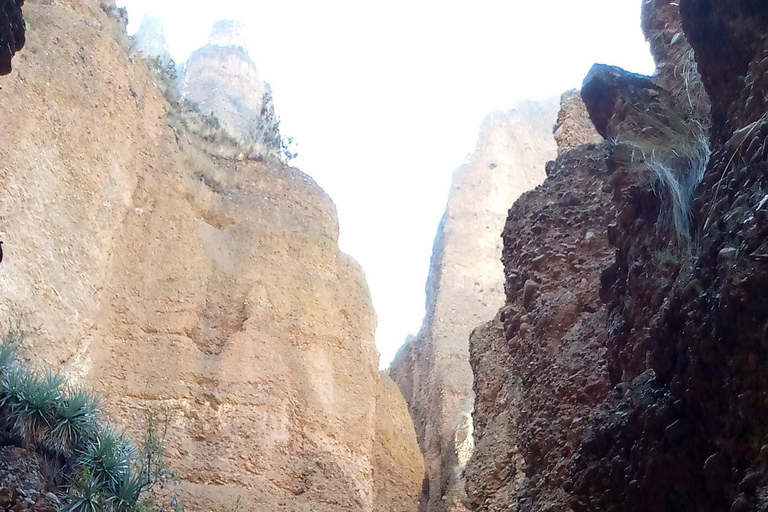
(464, 286)
(150, 41)
(223, 80)
(629, 375)
(210, 290)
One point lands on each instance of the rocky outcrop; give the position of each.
(23, 482)
(150, 41)
(573, 128)
(540, 365)
(676, 66)
(211, 291)
(463, 287)
(660, 406)
(693, 359)
(12, 32)
(223, 80)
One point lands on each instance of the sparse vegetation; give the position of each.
(94, 467)
(263, 139)
(676, 149)
(235, 506)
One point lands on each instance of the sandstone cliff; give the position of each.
(210, 289)
(635, 381)
(464, 286)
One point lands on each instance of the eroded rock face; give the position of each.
(540, 365)
(676, 67)
(675, 419)
(12, 32)
(23, 481)
(704, 340)
(573, 128)
(398, 471)
(209, 290)
(223, 80)
(464, 286)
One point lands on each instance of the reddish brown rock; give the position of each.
(676, 66)
(538, 374)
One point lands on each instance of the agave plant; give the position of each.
(12, 384)
(108, 457)
(74, 422)
(32, 412)
(86, 494)
(123, 496)
(7, 357)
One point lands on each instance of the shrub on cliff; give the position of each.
(93, 467)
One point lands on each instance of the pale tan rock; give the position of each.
(222, 79)
(212, 290)
(397, 458)
(466, 285)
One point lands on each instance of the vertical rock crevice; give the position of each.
(465, 286)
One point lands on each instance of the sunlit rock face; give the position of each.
(466, 286)
(150, 40)
(223, 81)
(573, 128)
(206, 289)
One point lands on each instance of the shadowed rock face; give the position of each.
(540, 364)
(659, 404)
(728, 38)
(676, 66)
(12, 35)
(464, 286)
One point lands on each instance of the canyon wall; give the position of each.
(626, 371)
(151, 42)
(539, 366)
(465, 286)
(209, 291)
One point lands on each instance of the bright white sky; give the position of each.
(385, 100)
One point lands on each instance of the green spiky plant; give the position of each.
(32, 410)
(85, 494)
(97, 465)
(75, 422)
(108, 457)
(124, 495)
(7, 357)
